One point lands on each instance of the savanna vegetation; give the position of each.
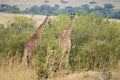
(95, 44)
(106, 11)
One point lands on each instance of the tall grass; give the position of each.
(17, 73)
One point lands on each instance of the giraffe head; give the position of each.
(72, 16)
(48, 19)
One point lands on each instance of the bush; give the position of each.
(95, 43)
(14, 36)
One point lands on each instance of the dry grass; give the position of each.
(6, 18)
(90, 75)
(77, 76)
(12, 69)
(17, 73)
(114, 20)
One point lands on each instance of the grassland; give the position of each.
(6, 18)
(17, 73)
(22, 4)
(21, 73)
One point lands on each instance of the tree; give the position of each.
(92, 2)
(46, 8)
(98, 8)
(69, 9)
(108, 6)
(86, 8)
(63, 1)
(46, 1)
(56, 7)
(115, 15)
(34, 9)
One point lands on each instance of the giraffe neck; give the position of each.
(70, 27)
(42, 26)
(68, 30)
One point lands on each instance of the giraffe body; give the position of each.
(65, 43)
(31, 44)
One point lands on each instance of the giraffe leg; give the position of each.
(67, 58)
(64, 59)
(26, 57)
(61, 59)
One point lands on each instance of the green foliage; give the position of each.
(9, 9)
(48, 48)
(108, 6)
(95, 43)
(14, 36)
(115, 15)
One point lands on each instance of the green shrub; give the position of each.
(14, 36)
(95, 43)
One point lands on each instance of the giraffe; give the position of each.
(65, 43)
(31, 44)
